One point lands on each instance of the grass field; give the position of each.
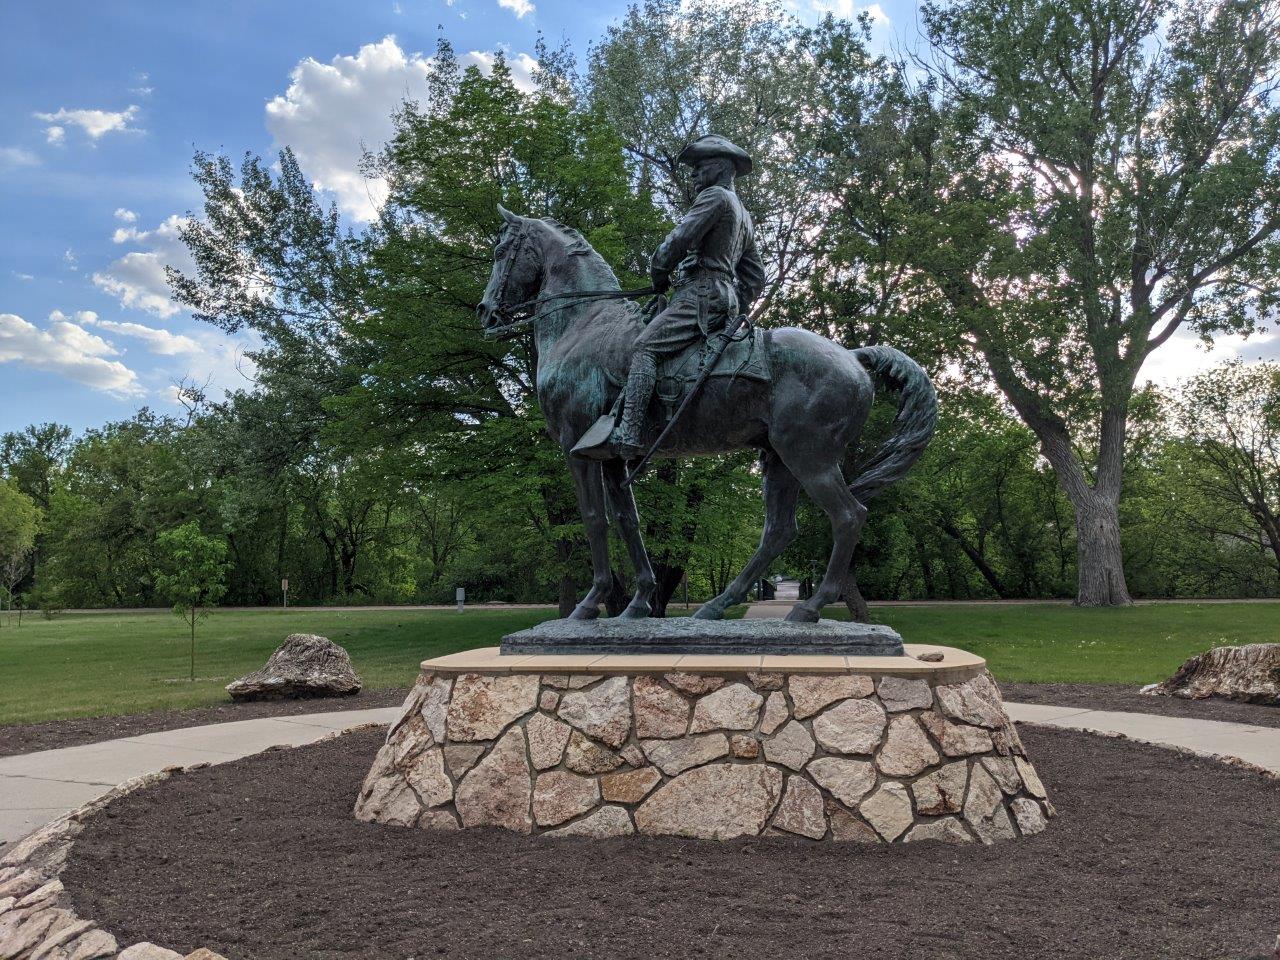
(85, 665)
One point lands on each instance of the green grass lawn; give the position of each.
(132, 663)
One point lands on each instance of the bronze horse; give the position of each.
(802, 421)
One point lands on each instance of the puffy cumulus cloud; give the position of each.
(521, 8)
(138, 278)
(66, 349)
(333, 111)
(94, 123)
(125, 216)
(13, 157)
(157, 340)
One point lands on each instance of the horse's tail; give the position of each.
(913, 426)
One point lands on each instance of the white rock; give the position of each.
(903, 693)
(559, 796)
(942, 790)
(660, 712)
(483, 705)
(716, 802)
(852, 726)
(1029, 815)
(945, 829)
(801, 810)
(735, 707)
(497, 790)
(675, 756)
(775, 713)
(792, 746)
(984, 808)
(602, 713)
(809, 694)
(888, 810)
(547, 740)
(906, 750)
(846, 780)
(605, 822)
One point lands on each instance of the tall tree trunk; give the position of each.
(1099, 560)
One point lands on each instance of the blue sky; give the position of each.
(101, 106)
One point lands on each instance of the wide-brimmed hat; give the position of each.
(714, 145)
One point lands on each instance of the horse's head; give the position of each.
(516, 276)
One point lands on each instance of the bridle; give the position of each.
(514, 324)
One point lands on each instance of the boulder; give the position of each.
(305, 665)
(1250, 674)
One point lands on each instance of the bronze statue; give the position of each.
(717, 273)
(798, 397)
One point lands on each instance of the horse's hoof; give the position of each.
(800, 614)
(708, 612)
(584, 613)
(636, 611)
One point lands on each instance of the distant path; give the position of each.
(764, 606)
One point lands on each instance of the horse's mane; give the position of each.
(577, 245)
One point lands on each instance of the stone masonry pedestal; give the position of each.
(829, 748)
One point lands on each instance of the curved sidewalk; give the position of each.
(38, 787)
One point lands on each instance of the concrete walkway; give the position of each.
(38, 787)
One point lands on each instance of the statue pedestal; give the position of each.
(831, 748)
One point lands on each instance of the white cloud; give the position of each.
(68, 350)
(55, 135)
(13, 157)
(848, 10)
(138, 278)
(158, 341)
(24, 277)
(126, 216)
(520, 8)
(95, 123)
(333, 110)
(69, 258)
(1185, 356)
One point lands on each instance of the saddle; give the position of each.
(747, 358)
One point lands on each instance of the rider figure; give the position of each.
(718, 274)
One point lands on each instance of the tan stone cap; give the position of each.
(955, 665)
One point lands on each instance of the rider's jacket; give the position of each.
(715, 239)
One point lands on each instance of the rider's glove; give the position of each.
(661, 281)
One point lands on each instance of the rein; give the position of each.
(519, 323)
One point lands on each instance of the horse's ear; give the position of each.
(507, 215)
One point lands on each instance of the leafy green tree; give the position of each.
(1078, 180)
(191, 575)
(19, 523)
(1230, 420)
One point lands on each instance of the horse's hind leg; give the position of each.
(827, 488)
(624, 509)
(781, 489)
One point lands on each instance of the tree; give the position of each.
(1079, 179)
(1231, 418)
(191, 575)
(19, 523)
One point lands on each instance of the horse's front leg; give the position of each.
(588, 484)
(624, 508)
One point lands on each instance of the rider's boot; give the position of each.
(628, 436)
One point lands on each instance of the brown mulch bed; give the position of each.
(1154, 854)
(1097, 696)
(25, 738)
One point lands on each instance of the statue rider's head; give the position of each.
(713, 172)
(716, 161)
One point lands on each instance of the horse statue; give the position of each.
(814, 404)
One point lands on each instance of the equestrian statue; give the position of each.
(693, 377)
